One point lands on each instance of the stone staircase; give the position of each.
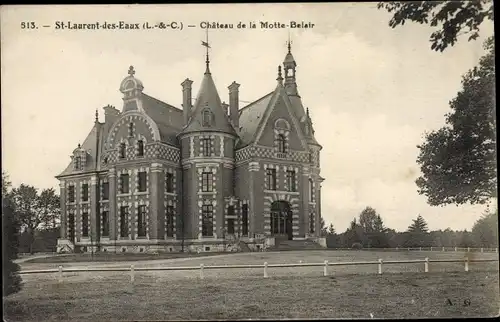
(282, 245)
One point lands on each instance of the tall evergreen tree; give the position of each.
(418, 226)
(11, 280)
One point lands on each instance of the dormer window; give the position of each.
(122, 150)
(78, 163)
(140, 148)
(207, 118)
(281, 143)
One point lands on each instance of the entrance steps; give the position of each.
(296, 245)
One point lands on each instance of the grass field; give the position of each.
(404, 290)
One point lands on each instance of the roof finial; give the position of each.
(289, 42)
(207, 45)
(79, 145)
(96, 115)
(307, 111)
(131, 71)
(280, 77)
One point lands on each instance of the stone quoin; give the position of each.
(205, 177)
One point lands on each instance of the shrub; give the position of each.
(357, 246)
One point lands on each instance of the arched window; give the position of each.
(122, 150)
(140, 148)
(78, 163)
(281, 143)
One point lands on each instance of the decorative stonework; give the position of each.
(285, 178)
(207, 168)
(119, 182)
(128, 204)
(102, 208)
(212, 145)
(202, 202)
(221, 137)
(255, 151)
(136, 181)
(232, 201)
(174, 180)
(89, 195)
(269, 198)
(266, 181)
(136, 221)
(133, 117)
(173, 204)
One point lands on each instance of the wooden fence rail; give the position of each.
(132, 269)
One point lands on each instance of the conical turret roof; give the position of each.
(207, 113)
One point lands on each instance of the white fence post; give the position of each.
(481, 249)
(380, 266)
(60, 273)
(420, 249)
(455, 248)
(397, 248)
(427, 264)
(132, 275)
(468, 249)
(265, 269)
(325, 269)
(443, 249)
(467, 264)
(201, 271)
(431, 248)
(408, 248)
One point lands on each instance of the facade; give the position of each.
(208, 177)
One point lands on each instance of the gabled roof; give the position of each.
(250, 117)
(208, 99)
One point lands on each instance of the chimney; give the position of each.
(234, 104)
(225, 107)
(110, 114)
(186, 99)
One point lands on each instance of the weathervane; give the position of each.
(207, 45)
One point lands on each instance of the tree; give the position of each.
(417, 233)
(322, 224)
(418, 226)
(49, 204)
(485, 230)
(367, 219)
(458, 161)
(331, 230)
(452, 19)
(33, 209)
(11, 280)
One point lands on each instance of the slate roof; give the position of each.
(250, 117)
(168, 118)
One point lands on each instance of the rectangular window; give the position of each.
(140, 148)
(142, 181)
(85, 192)
(271, 179)
(124, 221)
(170, 221)
(105, 223)
(71, 226)
(244, 219)
(124, 183)
(85, 224)
(207, 182)
(122, 150)
(206, 147)
(105, 191)
(71, 194)
(290, 180)
(311, 223)
(311, 191)
(141, 221)
(207, 222)
(230, 226)
(169, 182)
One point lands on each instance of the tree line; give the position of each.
(368, 231)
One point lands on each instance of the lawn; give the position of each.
(403, 290)
(403, 295)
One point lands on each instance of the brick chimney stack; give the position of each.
(234, 105)
(186, 99)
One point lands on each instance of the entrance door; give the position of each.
(281, 220)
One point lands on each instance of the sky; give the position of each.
(372, 91)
